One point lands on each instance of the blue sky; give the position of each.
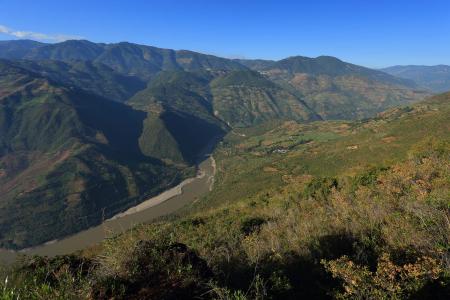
(374, 33)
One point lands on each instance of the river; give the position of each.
(166, 203)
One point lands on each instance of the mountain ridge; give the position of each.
(334, 89)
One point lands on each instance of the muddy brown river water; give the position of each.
(166, 203)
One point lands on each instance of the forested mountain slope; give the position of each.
(68, 159)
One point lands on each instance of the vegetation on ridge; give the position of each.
(363, 228)
(328, 86)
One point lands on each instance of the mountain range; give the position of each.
(332, 180)
(434, 78)
(88, 130)
(330, 87)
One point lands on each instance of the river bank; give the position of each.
(163, 204)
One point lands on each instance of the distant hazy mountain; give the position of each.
(18, 48)
(338, 90)
(434, 78)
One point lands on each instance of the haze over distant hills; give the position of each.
(88, 129)
(434, 78)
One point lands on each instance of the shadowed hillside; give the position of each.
(68, 159)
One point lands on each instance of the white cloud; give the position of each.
(37, 35)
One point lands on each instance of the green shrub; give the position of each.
(319, 188)
(156, 270)
(62, 277)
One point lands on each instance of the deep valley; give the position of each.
(326, 180)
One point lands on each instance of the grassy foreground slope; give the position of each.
(327, 210)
